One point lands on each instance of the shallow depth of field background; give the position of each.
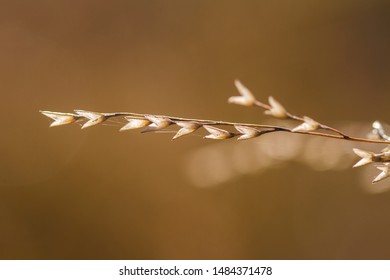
(67, 193)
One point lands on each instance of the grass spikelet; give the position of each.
(306, 126)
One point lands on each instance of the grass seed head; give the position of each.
(276, 110)
(246, 98)
(217, 133)
(60, 118)
(134, 123)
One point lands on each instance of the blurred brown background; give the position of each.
(101, 194)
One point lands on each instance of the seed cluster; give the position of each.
(242, 131)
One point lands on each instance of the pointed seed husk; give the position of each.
(247, 132)
(60, 118)
(187, 127)
(94, 118)
(217, 133)
(134, 123)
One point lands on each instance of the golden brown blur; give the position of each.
(67, 193)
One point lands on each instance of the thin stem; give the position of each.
(274, 128)
(262, 105)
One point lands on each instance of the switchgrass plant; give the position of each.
(222, 130)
